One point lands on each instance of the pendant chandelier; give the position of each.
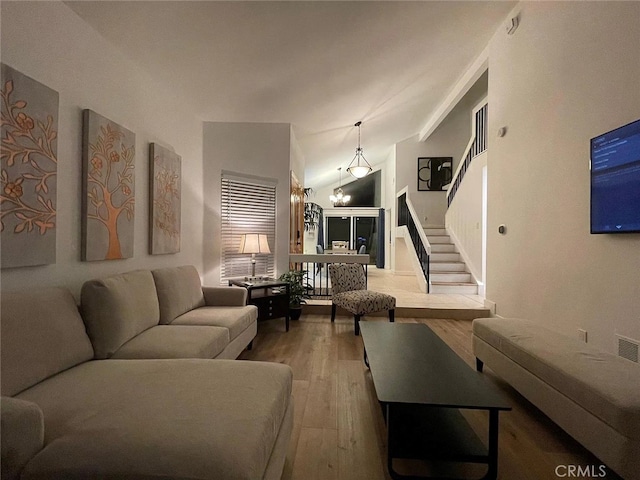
(339, 199)
(359, 167)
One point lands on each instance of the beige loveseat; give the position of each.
(67, 416)
(593, 395)
(166, 313)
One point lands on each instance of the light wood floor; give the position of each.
(339, 431)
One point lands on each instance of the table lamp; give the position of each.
(253, 243)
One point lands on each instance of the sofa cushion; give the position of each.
(179, 419)
(235, 319)
(179, 290)
(179, 341)
(22, 429)
(360, 302)
(116, 309)
(602, 383)
(42, 334)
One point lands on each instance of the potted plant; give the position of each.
(297, 292)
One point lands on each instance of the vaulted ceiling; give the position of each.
(319, 65)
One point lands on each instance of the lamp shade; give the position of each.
(253, 243)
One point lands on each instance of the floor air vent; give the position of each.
(628, 348)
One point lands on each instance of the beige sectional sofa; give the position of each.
(593, 395)
(67, 415)
(166, 313)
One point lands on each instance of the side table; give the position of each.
(270, 296)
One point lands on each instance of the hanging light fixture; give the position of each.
(359, 167)
(339, 199)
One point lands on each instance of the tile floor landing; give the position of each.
(411, 302)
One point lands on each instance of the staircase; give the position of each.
(448, 272)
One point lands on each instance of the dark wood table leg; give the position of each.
(286, 322)
(390, 440)
(492, 472)
(394, 431)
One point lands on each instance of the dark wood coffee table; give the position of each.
(422, 385)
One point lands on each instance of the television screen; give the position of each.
(615, 180)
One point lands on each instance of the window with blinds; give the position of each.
(248, 206)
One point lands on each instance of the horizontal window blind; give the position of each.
(248, 206)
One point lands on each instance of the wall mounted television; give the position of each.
(615, 180)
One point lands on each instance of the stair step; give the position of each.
(439, 239)
(450, 277)
(446, 266)
(462, 288)
(444, 257)
(435, 231)
(443, 248)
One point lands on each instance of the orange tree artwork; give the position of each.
(110, 182)
(25, 196)
(166, 195)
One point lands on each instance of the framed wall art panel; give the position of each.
(434, 173)
(108, 193)
(165, 179)
(29, 168)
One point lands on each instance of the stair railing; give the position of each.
(407, 217)
(476, 146)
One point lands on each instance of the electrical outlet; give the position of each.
(582, 334)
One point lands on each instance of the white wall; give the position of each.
(402, 260)
(259, 149)
(464, 217)
(430, 206)
(389, 204)
(569, 73)
(48, 42)
(297, 160)
(448, 140)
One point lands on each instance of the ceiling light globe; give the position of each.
(359, 171)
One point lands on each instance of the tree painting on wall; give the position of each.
(108, 161)
(165, 189)
(28, 173)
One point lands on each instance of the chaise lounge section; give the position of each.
(593, 395)
(66, 415)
